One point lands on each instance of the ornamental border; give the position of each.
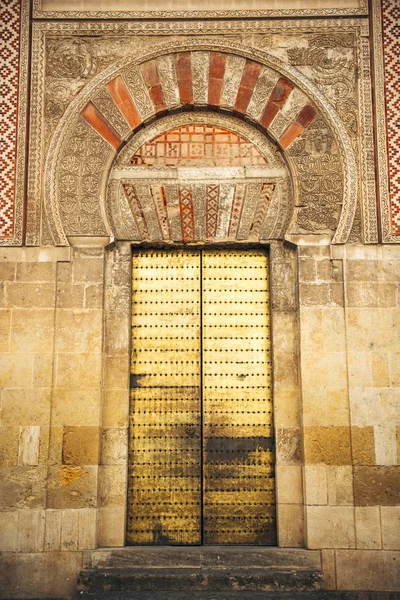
(22, 121)
(362, 10)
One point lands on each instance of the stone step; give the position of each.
(198, 579)
(201, 556)
(248, 595)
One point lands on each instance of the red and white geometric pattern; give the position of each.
(391, 49)
(10, 23)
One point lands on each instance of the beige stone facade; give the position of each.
(65, 293)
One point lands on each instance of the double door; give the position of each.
(201, 448)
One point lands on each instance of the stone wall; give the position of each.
(64, 409)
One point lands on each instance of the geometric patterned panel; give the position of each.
(10, 21)
(198, 145)
(391, 48)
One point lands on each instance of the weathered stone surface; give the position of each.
(72, 487)
(330, 527)
(376, 485)
(368, 569)
(39, 574)
(23, 487)
(199, 579)
(368, 527)
(81, 445)
(328, 445)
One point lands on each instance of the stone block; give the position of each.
(8, 446)
(36, 271)
(390, 516)
(55, 445)
(16, 370)
(112, 526)
(52, 540)
(398, 443)
(337, 407)
(49, 574)
(9, 531)
(311, 332)
(72, 487)
(317, 294)
(290, 519)
(377, 486)
(329, 568)
(394, 366)
(328, 445)
(285, 333)
(289, 485)
(388, 270)
(7, 271)
(79, 331)
(88, 270)
(116, 408)
(76, 407)
(372, 570)
(69, 529)
(70, 295)
(42, 370)
(23, 488)
(333, 330)
(307, 269)
(116, 373)
(32, 330)
(326, 369)
(25, 407)
(112, 485)
(286, 408)
(93, 296)
(81, 445)
(87, 528)
(286, 367)
(374, 407)
(324, 270)
(362, 270)
(31, 530)
(117, 333)
(330, 526)
(340, 485)
(29, 445)
(288, 446)
(360, 369)
(372, 328)
(30, 295)
(78, 370)
(315, 484)
(114, 446)
(5, 324)
(368, 527)
(385, 444)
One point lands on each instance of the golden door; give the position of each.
(201, 453)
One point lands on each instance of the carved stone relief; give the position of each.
(185, 185)
(80, 64)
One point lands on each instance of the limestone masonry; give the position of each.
(160, 127)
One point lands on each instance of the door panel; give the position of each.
(165, 447)
(201, 436)
(238, 450)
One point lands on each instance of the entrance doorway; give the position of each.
(201, 449)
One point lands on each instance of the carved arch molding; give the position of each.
(304, 181)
